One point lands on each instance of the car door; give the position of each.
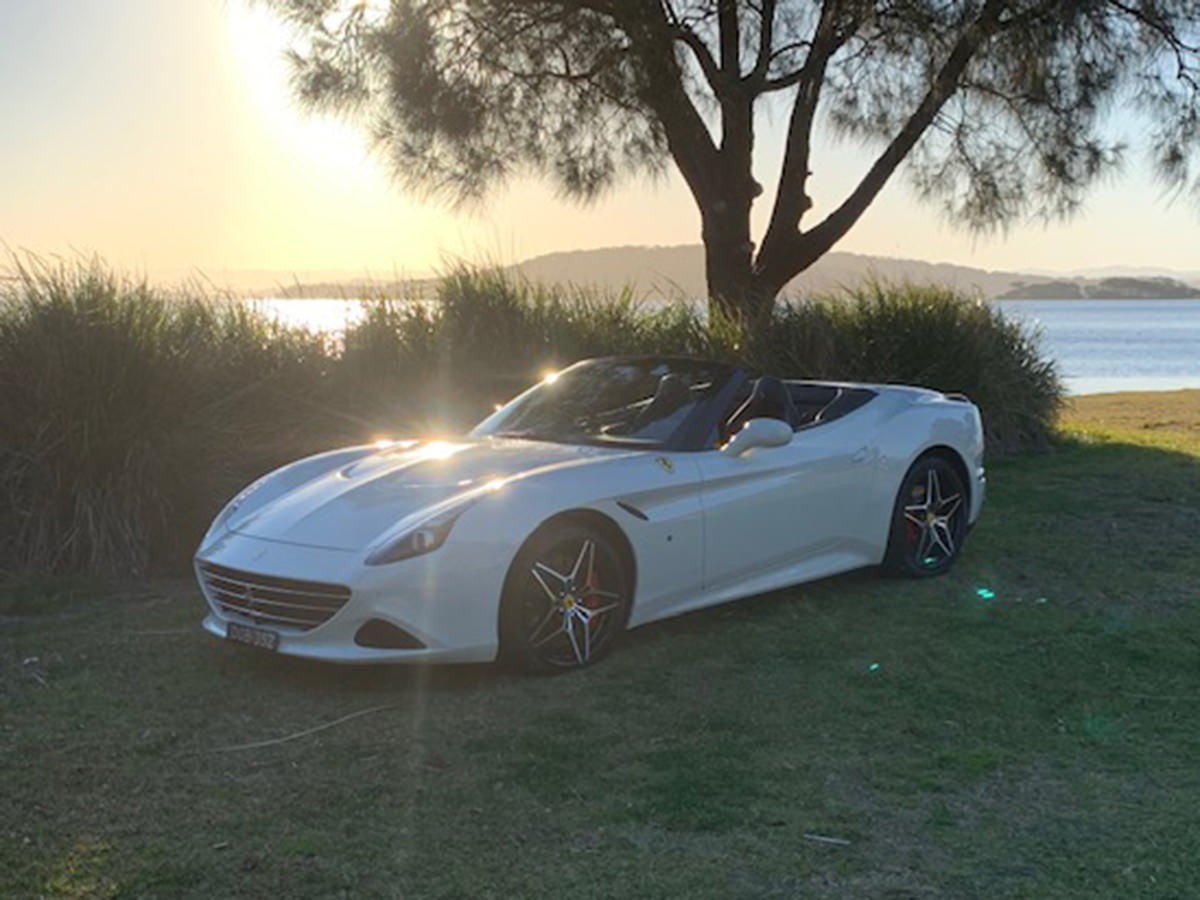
(774, 507)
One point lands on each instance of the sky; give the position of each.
(159, 135)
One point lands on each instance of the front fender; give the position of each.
(277, 483)
(655, 506)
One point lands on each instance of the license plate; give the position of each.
(252, 637)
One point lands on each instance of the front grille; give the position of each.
(267, 600)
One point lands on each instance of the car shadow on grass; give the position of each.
(367, 679)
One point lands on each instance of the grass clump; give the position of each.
(488, 336)
(926, 335)
(130, 413)
(126, 411)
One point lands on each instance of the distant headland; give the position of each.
(1116, 288)
(679, 271)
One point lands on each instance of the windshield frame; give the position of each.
(690, 434)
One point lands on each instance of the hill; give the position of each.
(1114, 288)
(680, 270)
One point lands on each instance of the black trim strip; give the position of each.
(633, 510)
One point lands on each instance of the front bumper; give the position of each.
(448, 599)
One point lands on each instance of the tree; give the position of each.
(1000, 109)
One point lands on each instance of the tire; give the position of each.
(566, 599)
(929, 520)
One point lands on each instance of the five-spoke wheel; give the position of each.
(565, 600)
(929, 521)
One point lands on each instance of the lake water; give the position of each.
(1103, 346)
(1100, 345)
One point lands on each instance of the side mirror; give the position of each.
(759, 433)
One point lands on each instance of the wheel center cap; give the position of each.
(930, 518)
(569, 601)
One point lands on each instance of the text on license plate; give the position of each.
(252, 637)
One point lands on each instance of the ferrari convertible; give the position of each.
(614, 493)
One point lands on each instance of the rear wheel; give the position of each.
(566, 599)
(929, 520)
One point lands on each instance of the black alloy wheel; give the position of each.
(566, 599)
(929, 520)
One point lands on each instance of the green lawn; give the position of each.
(1027, 726)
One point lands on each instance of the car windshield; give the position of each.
(640, 402)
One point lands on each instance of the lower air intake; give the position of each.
(386, 636)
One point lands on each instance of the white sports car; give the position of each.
(614, 493)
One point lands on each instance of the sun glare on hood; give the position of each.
(440, 450)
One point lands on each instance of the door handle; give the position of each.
(863, 454)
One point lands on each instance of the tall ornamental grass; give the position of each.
(491, 334)
(129, 414)
(126, 410)
(924, 335)
(488, 336)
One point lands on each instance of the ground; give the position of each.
(1023, 727)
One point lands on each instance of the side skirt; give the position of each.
(822, 566)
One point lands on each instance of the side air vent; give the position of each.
(633, 510)
(386, 636)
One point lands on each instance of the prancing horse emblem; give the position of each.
(667, 465)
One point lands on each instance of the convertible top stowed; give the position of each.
(616, 492)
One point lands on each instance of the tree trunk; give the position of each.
(733, 290)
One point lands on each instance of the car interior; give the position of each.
(802, 404)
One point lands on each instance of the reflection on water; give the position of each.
(327, 315)
(1100, 345)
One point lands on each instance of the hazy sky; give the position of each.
(158, 133)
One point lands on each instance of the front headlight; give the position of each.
(417, 541)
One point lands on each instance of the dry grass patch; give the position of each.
(1175, 414)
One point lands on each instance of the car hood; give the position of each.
(351, 506)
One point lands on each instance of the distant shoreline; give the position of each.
(378, 294)
(679, 272)
(1123, 288)
(1040, 299)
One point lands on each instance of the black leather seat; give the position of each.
(672, 392)
(769, 400)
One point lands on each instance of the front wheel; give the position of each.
(929, 520)
(566, 598)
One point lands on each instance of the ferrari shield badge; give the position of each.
(666, 464)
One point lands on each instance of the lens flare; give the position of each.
(439, 450)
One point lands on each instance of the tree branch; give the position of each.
(708, 65)
(798, 251)
(790, 199)
(731, 40)
(766, 36)
(1156, 24)
(688, 138)
(682, 32)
